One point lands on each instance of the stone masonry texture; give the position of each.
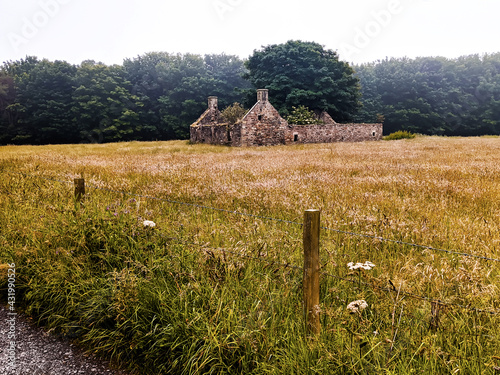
(263, 126)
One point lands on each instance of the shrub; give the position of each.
(233, 113)
(400, 134)
(302, 115)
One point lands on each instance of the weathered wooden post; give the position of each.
(311, 271)
(79, 189)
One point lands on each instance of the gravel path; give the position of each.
(39, 353)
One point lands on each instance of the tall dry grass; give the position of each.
(94, 272)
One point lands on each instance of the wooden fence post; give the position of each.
(79, 189)
(311, 271)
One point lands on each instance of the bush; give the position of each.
(233, 113)
(400, 134)
(301, 115)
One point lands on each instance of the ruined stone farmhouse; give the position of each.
(263, 126)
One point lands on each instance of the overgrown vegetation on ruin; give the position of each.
(302, 115)
(212, 291)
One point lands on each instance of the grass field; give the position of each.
(213, 291)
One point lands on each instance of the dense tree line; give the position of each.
(158, 95)
(433, 95)
(154, 96)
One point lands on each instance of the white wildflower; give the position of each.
(316, 309)
(357, 306)
(149, 223)
(366, 265)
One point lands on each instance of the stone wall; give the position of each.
(213, 134)
(235, 136)
(261, 133)
(263, 126)
(327, 133)
(209, 128)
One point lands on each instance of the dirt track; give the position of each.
(39, 353)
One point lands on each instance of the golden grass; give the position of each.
(440, 192)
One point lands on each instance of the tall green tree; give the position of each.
(104, 107)
(186, 84)
(304, 73)
(228, 72)
(42, 107)
(142, 72)
(174, 88)
(433, 95)
(8, 115)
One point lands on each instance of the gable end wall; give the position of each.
(263, 126)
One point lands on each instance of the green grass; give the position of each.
(177, 299)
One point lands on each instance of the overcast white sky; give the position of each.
(360, 30)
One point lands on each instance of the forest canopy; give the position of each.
(433, 95)
(304, 73)
(152, 97)
(157, 96)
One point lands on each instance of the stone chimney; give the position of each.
(212, 103)
(262, 95)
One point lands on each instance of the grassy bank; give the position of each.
(213, 291)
